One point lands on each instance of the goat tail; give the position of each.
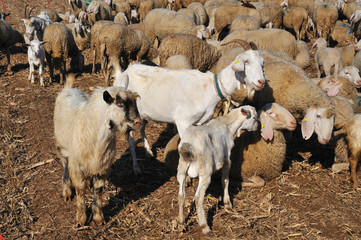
(70, 79)
(186, 150)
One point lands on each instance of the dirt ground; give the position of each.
(308, 201)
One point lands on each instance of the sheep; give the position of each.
(119, 42)
(158, 21)
(98, 10)
(81, 35)
(200, 31)
(94, 39)
(302, 58)
(227, 57)
(59, 45)
(352, 130)
(9, 37)
(85, 130)
(348, 53)
(178, 62)
(192, 14)
(271, 39)
(352, 73)
(186, 107)
(342, 34)
(53, 15)
(290, 86)
(245, 23)
(325, 17)
(206, 149)
(326, 57)
(77, 6)
(357, 60)
(145, 7)
(201, 11)
(306, 4)
(36, 56)
(347, 9)
(255, 159)
(356, 24)
(122, 7)
(296, 18)
(270, 13)
(224, 15)
(200, 54)
(121, 19)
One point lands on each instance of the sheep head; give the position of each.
(352, 73)
(320, 121)
(274, 117)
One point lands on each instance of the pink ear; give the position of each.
(266, 127)
(308, 123)
(334, 89)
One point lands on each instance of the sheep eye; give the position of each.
(318, 116)
(246, 62)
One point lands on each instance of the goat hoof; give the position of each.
(206, 230)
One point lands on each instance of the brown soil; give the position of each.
(307, 201)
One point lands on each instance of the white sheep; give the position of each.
(342, 34)
(244, 22)
(352, 73)
(156, 88)
(254, 158)
(206, 149)
(324, 17)
(85, 130)
(36, 56)
(296, 18)
(326, 57)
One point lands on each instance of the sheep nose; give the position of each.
(358, 82)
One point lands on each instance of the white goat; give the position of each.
(36, 25)
(205, 149)
(36, 57)
(187, 97)
(85, 134)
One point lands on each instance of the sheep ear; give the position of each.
(107, 97)
(266, 127)
(238, 65)
(333, 91)
(308, 123)
(199, 34)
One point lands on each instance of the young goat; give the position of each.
(36, 57)
(85, 132)
(206, 149)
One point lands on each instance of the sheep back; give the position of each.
(200, 54)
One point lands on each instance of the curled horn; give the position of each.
(27, 16)
(242, 42)
(134, 96)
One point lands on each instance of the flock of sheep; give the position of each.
(186, 62)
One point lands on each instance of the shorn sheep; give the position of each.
(156, 88)
(260, 155)
(85, 130)
(206, 149)
(326, 57)
(59, 45)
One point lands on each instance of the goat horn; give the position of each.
(26, 6)
(134, 96)
(242, 42)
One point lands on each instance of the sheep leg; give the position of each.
(41, 73)
(327, 70)
(98, 185)
(132, 147)
(146, 144)
(62, 71)
(297, 31)
(50, 62)
(8, 67)
(203, 184)
(181, 177)
(318, 70)
(94, 59)
(225, 183)
(353, 169)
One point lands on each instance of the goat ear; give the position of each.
(308, 123)
(107, 97)
(42, 42)
(266, 127)
(238, 65)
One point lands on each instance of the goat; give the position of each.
(36, 55)
(186, 97)
(85, 133)
(206, 149)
